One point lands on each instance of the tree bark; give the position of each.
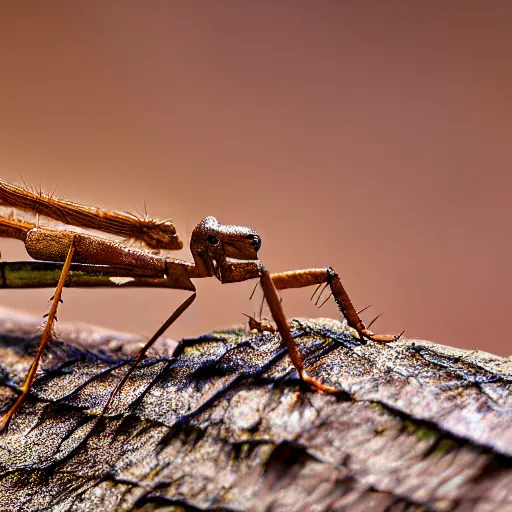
(222, 422)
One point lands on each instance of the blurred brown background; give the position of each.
(370, 136)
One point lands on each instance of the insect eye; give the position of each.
(250, 237)
(212, 240)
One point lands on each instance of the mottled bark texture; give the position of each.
(223, 423)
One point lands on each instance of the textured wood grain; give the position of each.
(223, 423)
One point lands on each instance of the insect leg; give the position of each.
(45, 338)
(142, 352)
(316, 276)
(276, 309)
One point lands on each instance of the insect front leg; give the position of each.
(276, 309)
(241, 271)
(317, 276)
(45, 338)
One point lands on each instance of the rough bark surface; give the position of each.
(223, 423)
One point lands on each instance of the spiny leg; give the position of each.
(45, 338)
(142, 352)
(274, 304)
(318, 276)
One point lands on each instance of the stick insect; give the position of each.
(71, 258)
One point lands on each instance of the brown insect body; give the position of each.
(227, 252)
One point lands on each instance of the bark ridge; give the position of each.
(223, 423)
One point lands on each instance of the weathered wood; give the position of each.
(223, 423)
